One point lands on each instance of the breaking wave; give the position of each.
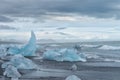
(111, 60)
(108, 47)
(91, 46)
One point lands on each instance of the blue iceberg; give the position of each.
(72, 77)
(20, 62)
(27, 50)
(12, 72)
(63, 55)
(52, 55)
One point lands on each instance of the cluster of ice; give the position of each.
(11, 71)
(72, 77)
(64, 55)
(107, 47)
(27, 50)
(20, 62)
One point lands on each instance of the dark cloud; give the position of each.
(5, 27)
(61, 28)
(65, 34)
(5, 19)
(95, 8)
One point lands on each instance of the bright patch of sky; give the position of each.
(74, 27)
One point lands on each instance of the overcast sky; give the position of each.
(60, 19)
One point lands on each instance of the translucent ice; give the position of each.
(72, 77)
(63, 55)
(20, 62)
(27, 50)
(51, 55)
(11, 71)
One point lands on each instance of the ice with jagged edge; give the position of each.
(72, 77)
(20, 62)
(64, 55)
(27, 50)
(12, 72)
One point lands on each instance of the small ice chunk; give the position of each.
(11, 71)
(78, 47)
(74, 67)
(27, 50)
(72, 77)
(20, 62)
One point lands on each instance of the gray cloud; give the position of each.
(61, 28)
(65, 34)
(95, 8)
(5, 27)
(5, 19)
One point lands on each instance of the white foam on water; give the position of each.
(54, 45)
(90, 45)
(108, 47)
(111, 60)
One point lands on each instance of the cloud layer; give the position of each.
(58, 18)
(95, 8)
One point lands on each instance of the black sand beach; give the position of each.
(93, 69)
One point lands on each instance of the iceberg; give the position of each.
(27, 50)
(72, 77)
(20, 62)
(11, 71)
(52, 55)
(63, 55)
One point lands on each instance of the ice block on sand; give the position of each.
(27, 50)
(12, 72)
(63, 55)
(20, 62)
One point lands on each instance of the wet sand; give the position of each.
(52, 70)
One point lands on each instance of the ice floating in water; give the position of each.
(107, 47)
(63, 55)
(27, 50)
(72, 77)
(20, 62)
(11, 71)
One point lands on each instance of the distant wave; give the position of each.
(108, 47)
(54, 45)
(91, 46)
(92, 56)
